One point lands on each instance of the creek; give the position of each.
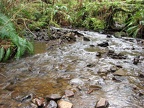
(90, 64)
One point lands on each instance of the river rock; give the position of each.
(141, 75)
(76, 81)
(86, 39)
(109, 36)
(120, 72)
(113, 68)
(90, 65)
(93, 88)
(103, 44)
(53, 97)
(136, 60)
(27, 98)
(64, 104)
(69, 93)
(33, 105)
(116, 78)
(102, 103)
(98, 54)
(39, 101)
(51, 104)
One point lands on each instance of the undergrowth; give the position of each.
(89, 14)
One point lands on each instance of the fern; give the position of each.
(7, 31)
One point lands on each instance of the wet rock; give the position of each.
(51, 104)
(69, 93)
(27, 98)
(136, 60)
(39, 101)
(92, 46)
(120, 72)
(103, 44)
(93, 88)
(110, 52)
(116, 79)
(98, 54)
(76, 81)
(102, 103)
(141, 75)
(86, 39)
(68, 38)
(141, 93)
(103, 71)
(53, 97)
(68, 34)
(46, 38)
(64, 104)
(21, 97)
(91, 65)
(33, 105)
(116, 56)
(109, 36)
(78, 33)
(113, 68)
(118, 66)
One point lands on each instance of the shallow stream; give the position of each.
(93, 66)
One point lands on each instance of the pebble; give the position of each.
(86, 39)
(69, 93)
(64, 104)
(51, 104)
(76, 81)
(102, 103)
(53, 97)
(104, 44)
(120, 72)
(39, 101)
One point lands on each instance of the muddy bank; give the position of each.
(89, 64)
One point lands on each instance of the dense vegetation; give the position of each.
(114, 15)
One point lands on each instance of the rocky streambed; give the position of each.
(79, 69)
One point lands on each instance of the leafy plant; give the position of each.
(135, 25)
(7, 32)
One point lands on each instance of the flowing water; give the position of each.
(86, 66)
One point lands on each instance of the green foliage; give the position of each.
(7, 31)
(88, 14)
(135, 25)
(1, 53)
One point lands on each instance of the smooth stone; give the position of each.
(104, 44)
(76, 81)
(93, 88)
(53, 97)
(120, 72)
(64, 104)
(39, 101)
(69, 93)
(102, 103)
(86, 39)
(51, 104)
